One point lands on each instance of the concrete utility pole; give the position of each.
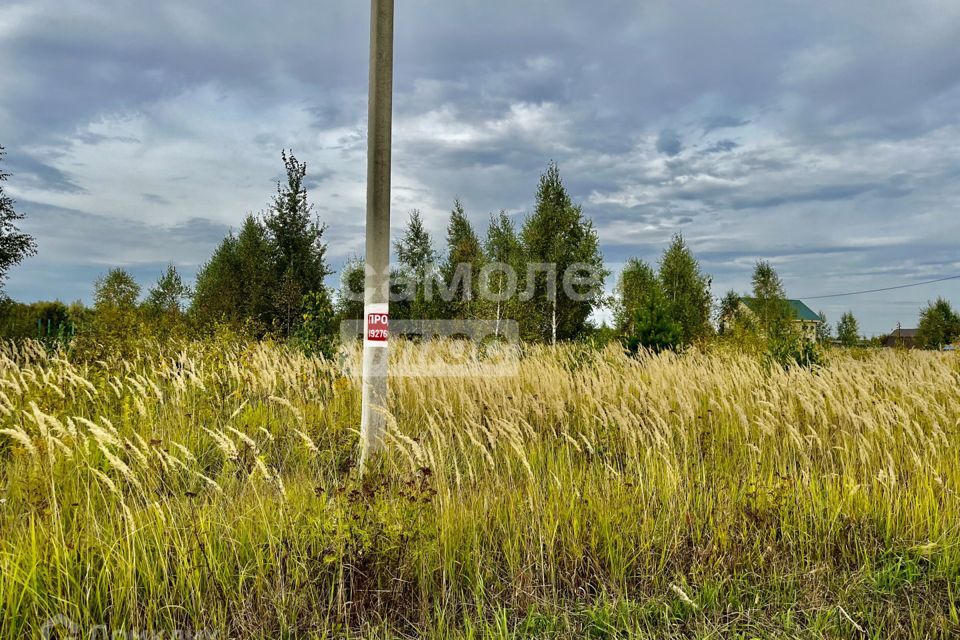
(376, 291)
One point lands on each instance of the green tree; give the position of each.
(824, 334)
(415, 249)
(686, 289)
(255, 281)
(349, 302)
(116, 324)
(654, 326)
(288, 298)
(770, 306)
(116, 291)
(297, 247)
(238, 285)
(169, 294)
(560, 237)
(774, 322)
(417, 259)
(14, 244)
(219, 290)
(461, 270)
(939, 325)
(636, 284)
(792, 348)
(728, 313)
(504, 254)
(165, 303)
(848, 330)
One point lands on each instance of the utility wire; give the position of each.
(902, 286)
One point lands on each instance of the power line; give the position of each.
(902, 286)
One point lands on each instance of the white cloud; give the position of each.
(825, 137)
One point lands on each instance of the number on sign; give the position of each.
(377, 327)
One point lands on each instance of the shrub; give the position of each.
(317, 334)
(49, 322)
(654, 327)
(790, 348)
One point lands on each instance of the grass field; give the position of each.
(212, 488)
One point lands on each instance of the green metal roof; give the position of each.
(799, 309)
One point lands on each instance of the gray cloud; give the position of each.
(669, 143)
(74, 247)
(42, 176)
(712, 123)
(823, 136)
(91, 138)
(721, 146)
(154, 198)
(824, 193)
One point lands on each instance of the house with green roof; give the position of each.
(806, 317)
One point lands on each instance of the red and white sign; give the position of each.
(378, 327)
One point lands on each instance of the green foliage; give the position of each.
(939, 325)
(169, 294)
(602, 335)
(49, 322)
(237, 285)
(824, 334)
(786, 343)
(256, 277)
(417, 272)
(636, 284)
(317, 332)
(684, 289)
(81, 317)
(503, 247)
(415, 249)
(559, 235)
(848, 330)
(770, 306)
(769, 327)
(116, 324)
(461, 271)
(165, 306)
(257, 280)
(14, 244)
(728, 313)
(116, 292)
(789, 347)
(217, 290)
(298, 254)
(741, 331)
(655, 327)
(349, 303)
(687, 291)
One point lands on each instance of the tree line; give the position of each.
(545, 274)
(269, 278)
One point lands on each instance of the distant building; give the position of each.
(902, 338)
(802, 315)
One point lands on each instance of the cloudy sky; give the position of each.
(823, 136)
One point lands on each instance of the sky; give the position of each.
(821, 136)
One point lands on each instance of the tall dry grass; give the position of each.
(211, 486)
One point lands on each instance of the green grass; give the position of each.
(212, 486)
